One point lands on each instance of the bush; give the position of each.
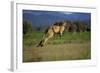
(27, 27)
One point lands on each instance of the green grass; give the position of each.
(69, 47)
(68, 37)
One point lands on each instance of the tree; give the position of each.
(81, 26)
(27, 27)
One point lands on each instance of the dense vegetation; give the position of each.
(75, 26)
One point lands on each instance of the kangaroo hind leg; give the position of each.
(50, 35)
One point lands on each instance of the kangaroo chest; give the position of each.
(57, 29)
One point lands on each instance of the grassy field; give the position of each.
(70, 47)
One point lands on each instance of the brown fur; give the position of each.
(58, 27)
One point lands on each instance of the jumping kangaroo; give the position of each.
(57, 27)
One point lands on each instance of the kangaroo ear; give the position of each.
(65, 24)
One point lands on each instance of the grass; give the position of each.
(69, 47)
(68, 37)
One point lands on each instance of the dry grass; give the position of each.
(68, 51)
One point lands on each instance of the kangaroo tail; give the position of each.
(42, 41)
